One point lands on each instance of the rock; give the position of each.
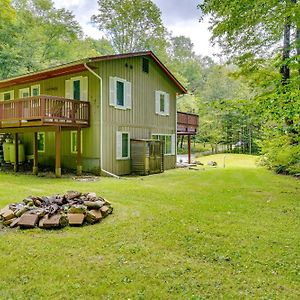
(94, 204)
(7, 214)
(105, 210)
(14, 223)
(4, 209)
(72, 194)
(93, 216)
(55, 221)
(212, 163)
(75, 219)
(8, 222)
(91, 196)
(28, 220)
(77, 209)
(22, 210)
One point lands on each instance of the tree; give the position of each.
(131, 25)
(253, 30)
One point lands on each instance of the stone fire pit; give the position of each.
(72, 208)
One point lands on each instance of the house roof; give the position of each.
(78, 66)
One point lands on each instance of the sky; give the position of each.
(181, 17)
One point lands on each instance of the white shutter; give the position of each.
(157, 102)
(1, 96)
(119, 145)
(167, 104)
(173, 144)
(84, 89)
(128, 94)
(12, 96)
(68, 89)
(112, 91)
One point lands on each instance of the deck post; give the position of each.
(16, 145)
(79, 158)
(189, 148)
(58, 152)
(35, 154)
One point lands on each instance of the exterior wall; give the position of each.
(140, 121)
(90, 136)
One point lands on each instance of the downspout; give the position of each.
(101, 122)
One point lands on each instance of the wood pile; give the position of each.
(72, 208)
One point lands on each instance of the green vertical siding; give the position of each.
(140, 121)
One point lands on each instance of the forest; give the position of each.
(248, 100)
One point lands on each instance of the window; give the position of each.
(35, 90)
(7, 96)
(41, 141)
(169, 142)
(77, 88)
(120, 93)
(74, 141)
(145, 65)
(123, 144)
(24, 93)
(162, 103)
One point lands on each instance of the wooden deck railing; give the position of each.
(187, 123)
(45, 110)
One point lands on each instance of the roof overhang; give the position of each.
(79, 66)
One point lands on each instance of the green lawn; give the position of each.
(183, 234)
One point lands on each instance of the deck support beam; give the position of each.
(189, 148)
(79, 156)
(35, 154)
(58, 152)
(16, 145)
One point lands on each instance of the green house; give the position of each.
(82, 115)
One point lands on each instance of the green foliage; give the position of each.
(41, 36)
(131, 25)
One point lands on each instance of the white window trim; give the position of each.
(117, 142)
(44, 134)
(75, 152)
(172, 136)
(26, 90)
(116, 105)
(12, 95)
(166, 104)
(33, 87)
(113, 102)
(69, 94)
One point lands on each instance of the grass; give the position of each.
(183, 234)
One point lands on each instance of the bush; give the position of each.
(280, 153)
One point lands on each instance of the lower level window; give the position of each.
(41, 141)
(168, 140)
(123, 144)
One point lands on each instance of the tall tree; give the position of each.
(131, 25)
(253, 29)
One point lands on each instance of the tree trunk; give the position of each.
(285, 70)
(298, 47)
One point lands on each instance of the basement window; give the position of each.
(123, 145)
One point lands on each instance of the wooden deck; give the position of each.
(187, 124)
(44, 110)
